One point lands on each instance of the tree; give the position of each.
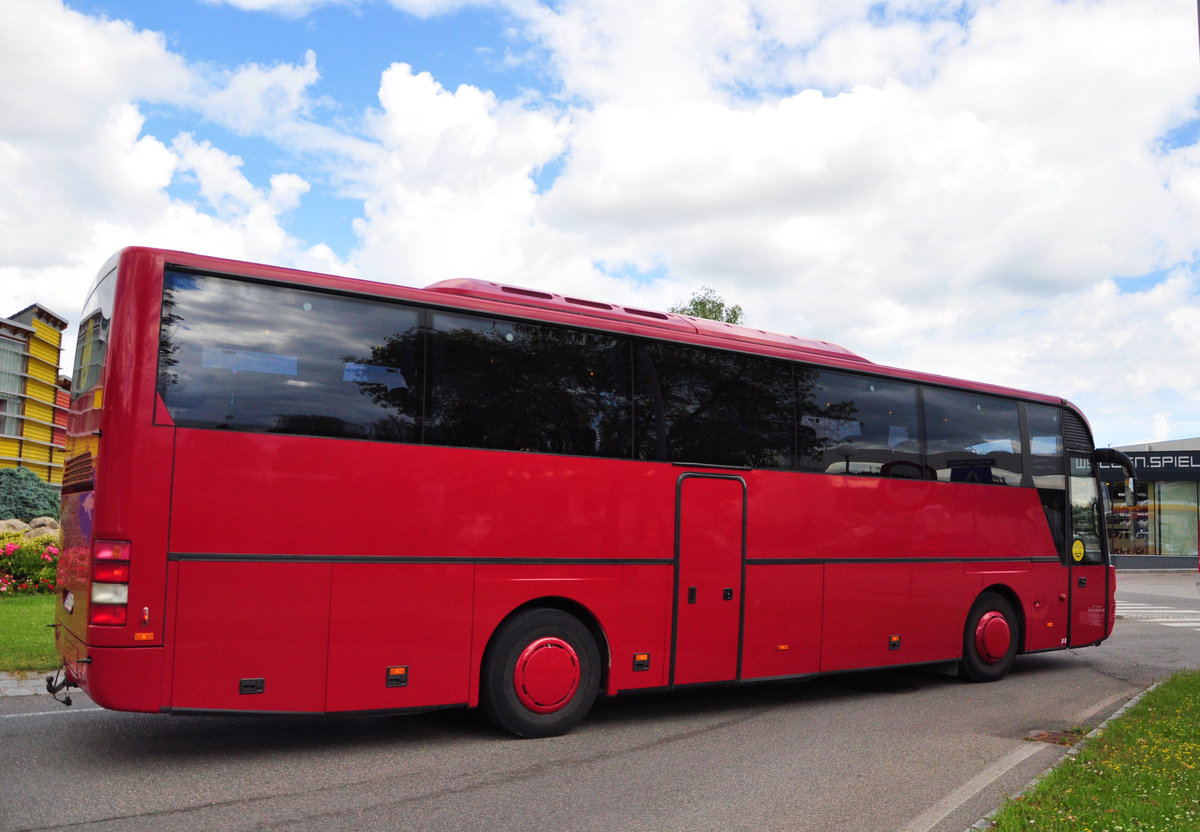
(708, 304)
(24, 496)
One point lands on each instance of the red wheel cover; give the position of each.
(992, 637)
(547, 675)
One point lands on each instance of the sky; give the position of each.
(1005, 191)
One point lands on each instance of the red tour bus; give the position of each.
(290, 492)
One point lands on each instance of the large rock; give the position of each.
(44, 523)
(13, 526)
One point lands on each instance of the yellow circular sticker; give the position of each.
(1077, 551)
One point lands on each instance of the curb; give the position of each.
(985, 823)
(24, 684)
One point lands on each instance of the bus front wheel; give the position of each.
(990, 639)
(541, 673)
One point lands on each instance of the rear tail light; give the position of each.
(113, 615)
(110, 572)
(110, 582)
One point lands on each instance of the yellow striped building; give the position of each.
(32, 407)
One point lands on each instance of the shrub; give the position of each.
(24, 496)
(27, 566)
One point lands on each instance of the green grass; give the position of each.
(26, 643)
(1142, 773)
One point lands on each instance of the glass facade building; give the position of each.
(1158, 526)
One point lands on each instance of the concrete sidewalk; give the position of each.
(23, 684)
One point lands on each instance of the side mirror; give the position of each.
(1113, 457)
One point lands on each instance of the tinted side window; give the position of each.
(511, 385)
(1046, 446)
(237, 355)
(972, 437)
(706, 406)
(1085, 512)
(1049, 468)
(853, 424)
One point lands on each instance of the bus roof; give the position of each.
(498, 298)
(716, 333)
(502, 293)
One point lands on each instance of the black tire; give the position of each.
(541, 673)
(990, 639)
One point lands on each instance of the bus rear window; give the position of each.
(92, 344)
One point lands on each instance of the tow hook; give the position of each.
(58, 682)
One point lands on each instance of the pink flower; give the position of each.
(10, 548)
(52, 550)
(46, 557)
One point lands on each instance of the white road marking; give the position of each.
(944, 807)
(52, 713)
(1157, 614)
(1084, 716)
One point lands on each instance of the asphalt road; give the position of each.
(904, 751)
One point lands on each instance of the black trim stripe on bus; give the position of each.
(215, 557)
(402, 711)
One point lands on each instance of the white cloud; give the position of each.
(941, 185)
(972, 184)
(452, 194)
(301, 8)
(284, 8)
(260, 99)
(81, 178)
(64, 71)
(935, 184)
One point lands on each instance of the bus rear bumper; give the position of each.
(117, 678)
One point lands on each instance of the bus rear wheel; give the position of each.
(990, 639)
(541, 673)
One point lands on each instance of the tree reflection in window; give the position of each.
(515, 385)
(860, 425)
(701, 405)
(391, 377)
(248, 356)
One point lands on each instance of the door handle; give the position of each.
(727, 594)
(1082, 582)
(691, 594)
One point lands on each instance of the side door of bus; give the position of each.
(710, 542)
(1085, 556)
